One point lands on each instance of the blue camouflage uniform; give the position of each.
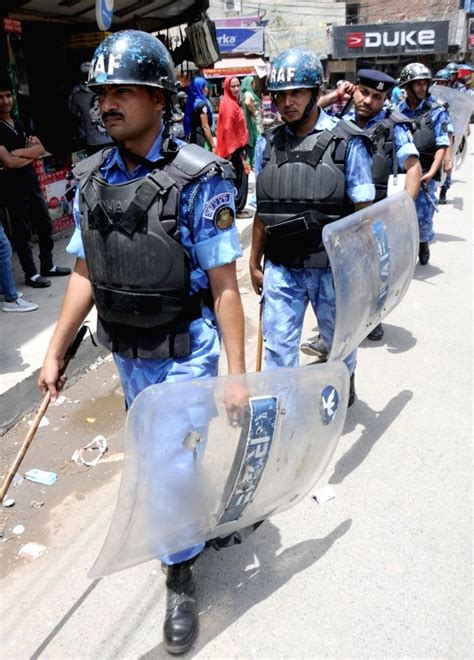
(287, 292)
(401, 135)
(425, 210)
(208, 247)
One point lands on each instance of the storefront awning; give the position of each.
(237, 66)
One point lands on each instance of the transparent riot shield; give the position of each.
(373, 255)
(460, 108)
(198, 467)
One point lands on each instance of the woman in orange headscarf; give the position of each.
(232, 137)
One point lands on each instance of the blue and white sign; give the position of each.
(240, 40)
(329, 404)
(104, 11)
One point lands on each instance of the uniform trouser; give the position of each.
(7, 283)
(286, 294)
(241, 182)
(447, 181)
(425, 211)
(137, 374)
(28, 211)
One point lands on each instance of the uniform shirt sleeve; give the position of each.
(209, 228)
(75, 245)
(358, 171)
(259, 150)
(404, 145)
(441, 123)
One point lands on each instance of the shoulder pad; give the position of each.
(270, 133)
(347, 129)
(195, 161)
(399, 118)
(88, 165)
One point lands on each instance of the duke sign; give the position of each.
(390, 39)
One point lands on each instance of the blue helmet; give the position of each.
(132, 57)
(442, 74)
(452, 67)
(295, 68)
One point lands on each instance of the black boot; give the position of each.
(181, 620)
(352, 391)
(424, 253)
(376, 334)
(442, 195)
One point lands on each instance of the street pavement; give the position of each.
(383, 570)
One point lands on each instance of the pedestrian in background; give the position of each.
(198, 115)
(250, 102)
(83, 104)
(22, 196)
(232, 139)
(13, 300)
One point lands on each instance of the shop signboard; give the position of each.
(238, 22)
(390, 39)
(240, 40)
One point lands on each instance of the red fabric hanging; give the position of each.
(231, 126)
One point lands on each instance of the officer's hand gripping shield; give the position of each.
(206, 457)
(373, 255)
(460, 108)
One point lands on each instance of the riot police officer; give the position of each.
(156, 246)
(311, 170)
(453, 69)
(443, 78)
(430, 123)
(393, 145)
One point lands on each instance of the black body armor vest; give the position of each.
(384, 159)
(424, 136)
(301, 188)
(140, 272)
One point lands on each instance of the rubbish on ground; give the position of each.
(41, 477)
(91, 420)
(114, 458)
(44, 422)
(36, 504)
(18, 529)
(60, 400)
(324, 494)
(17, 479)
(10, 502)
(31, 550)
(99, 443)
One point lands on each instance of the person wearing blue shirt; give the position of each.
(369, 96)
(431, 137)
(297, 269)
(156, 247)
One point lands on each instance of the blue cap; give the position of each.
(376, 80)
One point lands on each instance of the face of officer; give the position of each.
(131, 112)
(417, 90)
(442, 83)
(6, 101)
(292, 103)
(367, 101)
(235, 87)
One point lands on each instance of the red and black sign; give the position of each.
(390, 39)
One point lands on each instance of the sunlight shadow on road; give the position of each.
(375, 423)
(236, 579)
